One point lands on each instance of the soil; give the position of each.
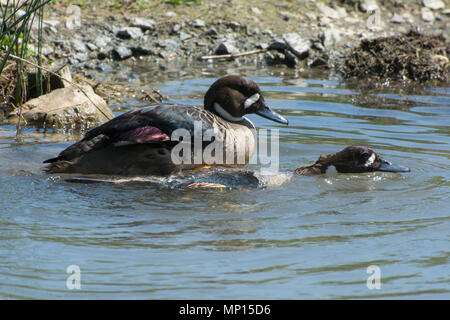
(414, 56)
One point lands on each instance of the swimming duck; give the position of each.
(139, 142)
(353, 159)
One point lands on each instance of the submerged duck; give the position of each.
(353, 159)
(139, 142)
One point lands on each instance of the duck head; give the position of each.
(231, 97)
(353, 159)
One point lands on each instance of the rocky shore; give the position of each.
(382, 40)
(296, 33)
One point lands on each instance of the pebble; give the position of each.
(129, 33)
(226, 47)
(396, 18)
(327, 11)
(297, 45)
(144, 24)
(78, 45)
(433, 4)
(102, 41)
(197, 23)
(368, 5)
(121, 53)
(426, 14)
(184, 36)
(256, 11)
(211, 32)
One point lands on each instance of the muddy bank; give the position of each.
(299, 34)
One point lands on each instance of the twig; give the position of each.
(64, 79)
(233, 55)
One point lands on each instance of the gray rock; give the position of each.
(256, 11)
(142, 50)
(446, 12)
(121, 53)
(327, 11)
(262, 45)
(197, 23)
(129, 33)
(81, 57)
(286, 16)
(143, 24)
(176, 28)
(171, 14)
(211, 32)
(433, 4)
(78, 45)
(297, 45)
(330, 37)
(102, 41)
(426, 14)
(91, 46)
(184, 36)
(368, 5)
(396, 18)
(278, 44)
(66, 107)
(233, 25)
(226, 47)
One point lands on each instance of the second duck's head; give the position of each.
(353, 159)
(231, 97)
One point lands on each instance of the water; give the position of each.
(311, 237)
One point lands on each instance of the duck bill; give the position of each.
(389, 167)
(268, 113)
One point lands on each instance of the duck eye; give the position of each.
(365, 155)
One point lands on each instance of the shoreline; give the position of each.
(305, 34)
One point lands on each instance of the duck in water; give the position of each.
(353, 159)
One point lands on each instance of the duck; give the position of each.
(352, 159)
(140, 142)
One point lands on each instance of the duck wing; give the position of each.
(150, 125)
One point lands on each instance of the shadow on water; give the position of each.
(309, 237)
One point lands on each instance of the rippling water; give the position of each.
(311, 237)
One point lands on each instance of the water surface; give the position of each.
(311, 237)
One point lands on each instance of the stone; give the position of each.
(66, 108)
(102, 41)
(433, 4)
(396, 18)
(211, 32)
(278, 44)
(426, 14)
(78, 45)
(121, 53)
(197, 23)
(184, 36)
(256, 11)
(171, 14)
(233, 25)
(330, 37)
(328, 11)
(226, 47)
(368, 5)
(297, 45)
(176, 28)
(143, 24)
(129, 33)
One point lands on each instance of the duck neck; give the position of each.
(318, 167)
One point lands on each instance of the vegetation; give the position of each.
(18, 20)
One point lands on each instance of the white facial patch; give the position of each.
(224, 114)
(250, 101)
(370, 160)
